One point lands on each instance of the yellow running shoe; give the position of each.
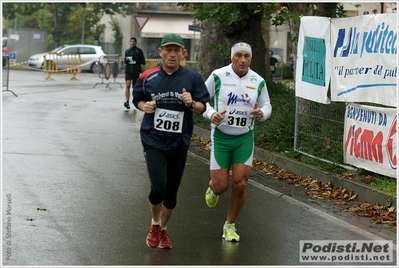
(210, 198)
(229, 233)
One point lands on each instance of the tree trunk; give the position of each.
(253, 36)
(224, 33)
(249, 30)
(265, 23)
(211, 34)
(57, 32)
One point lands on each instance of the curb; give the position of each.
(364, 191)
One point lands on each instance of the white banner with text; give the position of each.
(313, 68)
(370, 139)
(364, 59)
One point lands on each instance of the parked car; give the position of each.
(93, 57)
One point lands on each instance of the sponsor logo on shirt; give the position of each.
(238, 112)
(169, 115)
(152, 77)
(229, 85)
(228, 74)
(233, 98)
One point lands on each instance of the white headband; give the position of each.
(240, 46)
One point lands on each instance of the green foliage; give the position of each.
(63, 21)
(287, 73)
(284, 13)
(385, 184)
(340, 11)
(277, 132)
(225, 12)
(118, 35)
(12, 10)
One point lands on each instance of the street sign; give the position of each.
(194, 28)
(141, 20)
(13, 56)
(14, 37)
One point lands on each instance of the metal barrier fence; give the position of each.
(111, 67)
(319, 130)
(70, 64)
(6, 74)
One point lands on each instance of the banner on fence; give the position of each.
(370, 139)
(313, 68)
(364, 59)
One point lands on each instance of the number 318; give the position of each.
(239, 121)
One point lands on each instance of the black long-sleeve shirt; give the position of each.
(138, 60)
(165, 89)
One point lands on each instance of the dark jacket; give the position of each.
(138, 60)
(165, 89)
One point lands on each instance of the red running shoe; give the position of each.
(164, 241)
(153, 236)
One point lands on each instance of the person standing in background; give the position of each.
(273, 63)
(134, 58)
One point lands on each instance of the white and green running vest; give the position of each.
(238, 96)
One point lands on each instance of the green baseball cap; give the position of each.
(172, 39)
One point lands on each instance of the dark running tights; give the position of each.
(165, 169)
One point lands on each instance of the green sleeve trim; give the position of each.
(260, 87)
(218, 85)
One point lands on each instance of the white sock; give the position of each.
(155, 222)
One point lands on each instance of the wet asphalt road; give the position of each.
(75, 187)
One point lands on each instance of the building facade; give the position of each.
(151, 22)
(25, 42)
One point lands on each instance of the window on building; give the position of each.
(152, 48)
